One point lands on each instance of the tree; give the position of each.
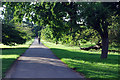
(11, 33)
(11, 36)
(95, 16)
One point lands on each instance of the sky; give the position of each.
(1, 8)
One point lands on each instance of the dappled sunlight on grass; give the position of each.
(17, 46)
(9, 56)
(58, 45)
(87, 62)
(100, 70)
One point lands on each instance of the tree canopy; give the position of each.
(70, 21)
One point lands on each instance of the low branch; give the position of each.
(97, 46)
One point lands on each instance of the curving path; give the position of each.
(39, 62)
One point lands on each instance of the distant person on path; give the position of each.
(38, 39)
(39, 36)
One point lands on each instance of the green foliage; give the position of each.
(28, 32)
(10, 35)
(84, 36)
(13, 32)
(71, 23)
(47, 34)
(114, 31)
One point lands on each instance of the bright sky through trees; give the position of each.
(1, 9)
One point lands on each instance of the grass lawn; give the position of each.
(87, 62)
(11, 53)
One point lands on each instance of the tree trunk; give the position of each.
(104, 47)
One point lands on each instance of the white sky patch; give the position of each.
(66, 19)
(1, 9)
(69, 0)
(24, 19)
(33, 3)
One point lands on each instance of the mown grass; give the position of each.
(87, 62)
(11, 53)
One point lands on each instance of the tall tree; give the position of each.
(97, 15)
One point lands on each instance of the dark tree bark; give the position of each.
(105, 43)
(105, 40)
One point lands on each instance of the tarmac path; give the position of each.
(39, 62)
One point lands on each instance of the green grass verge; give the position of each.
(87, 62)
(11, 53)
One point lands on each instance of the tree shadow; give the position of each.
(90, 64)
(13, 48)
(63, 53)
(85, 56)
(12, 51)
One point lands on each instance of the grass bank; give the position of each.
(11, 53)
(87, 62)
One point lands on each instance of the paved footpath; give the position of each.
(39, 62)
